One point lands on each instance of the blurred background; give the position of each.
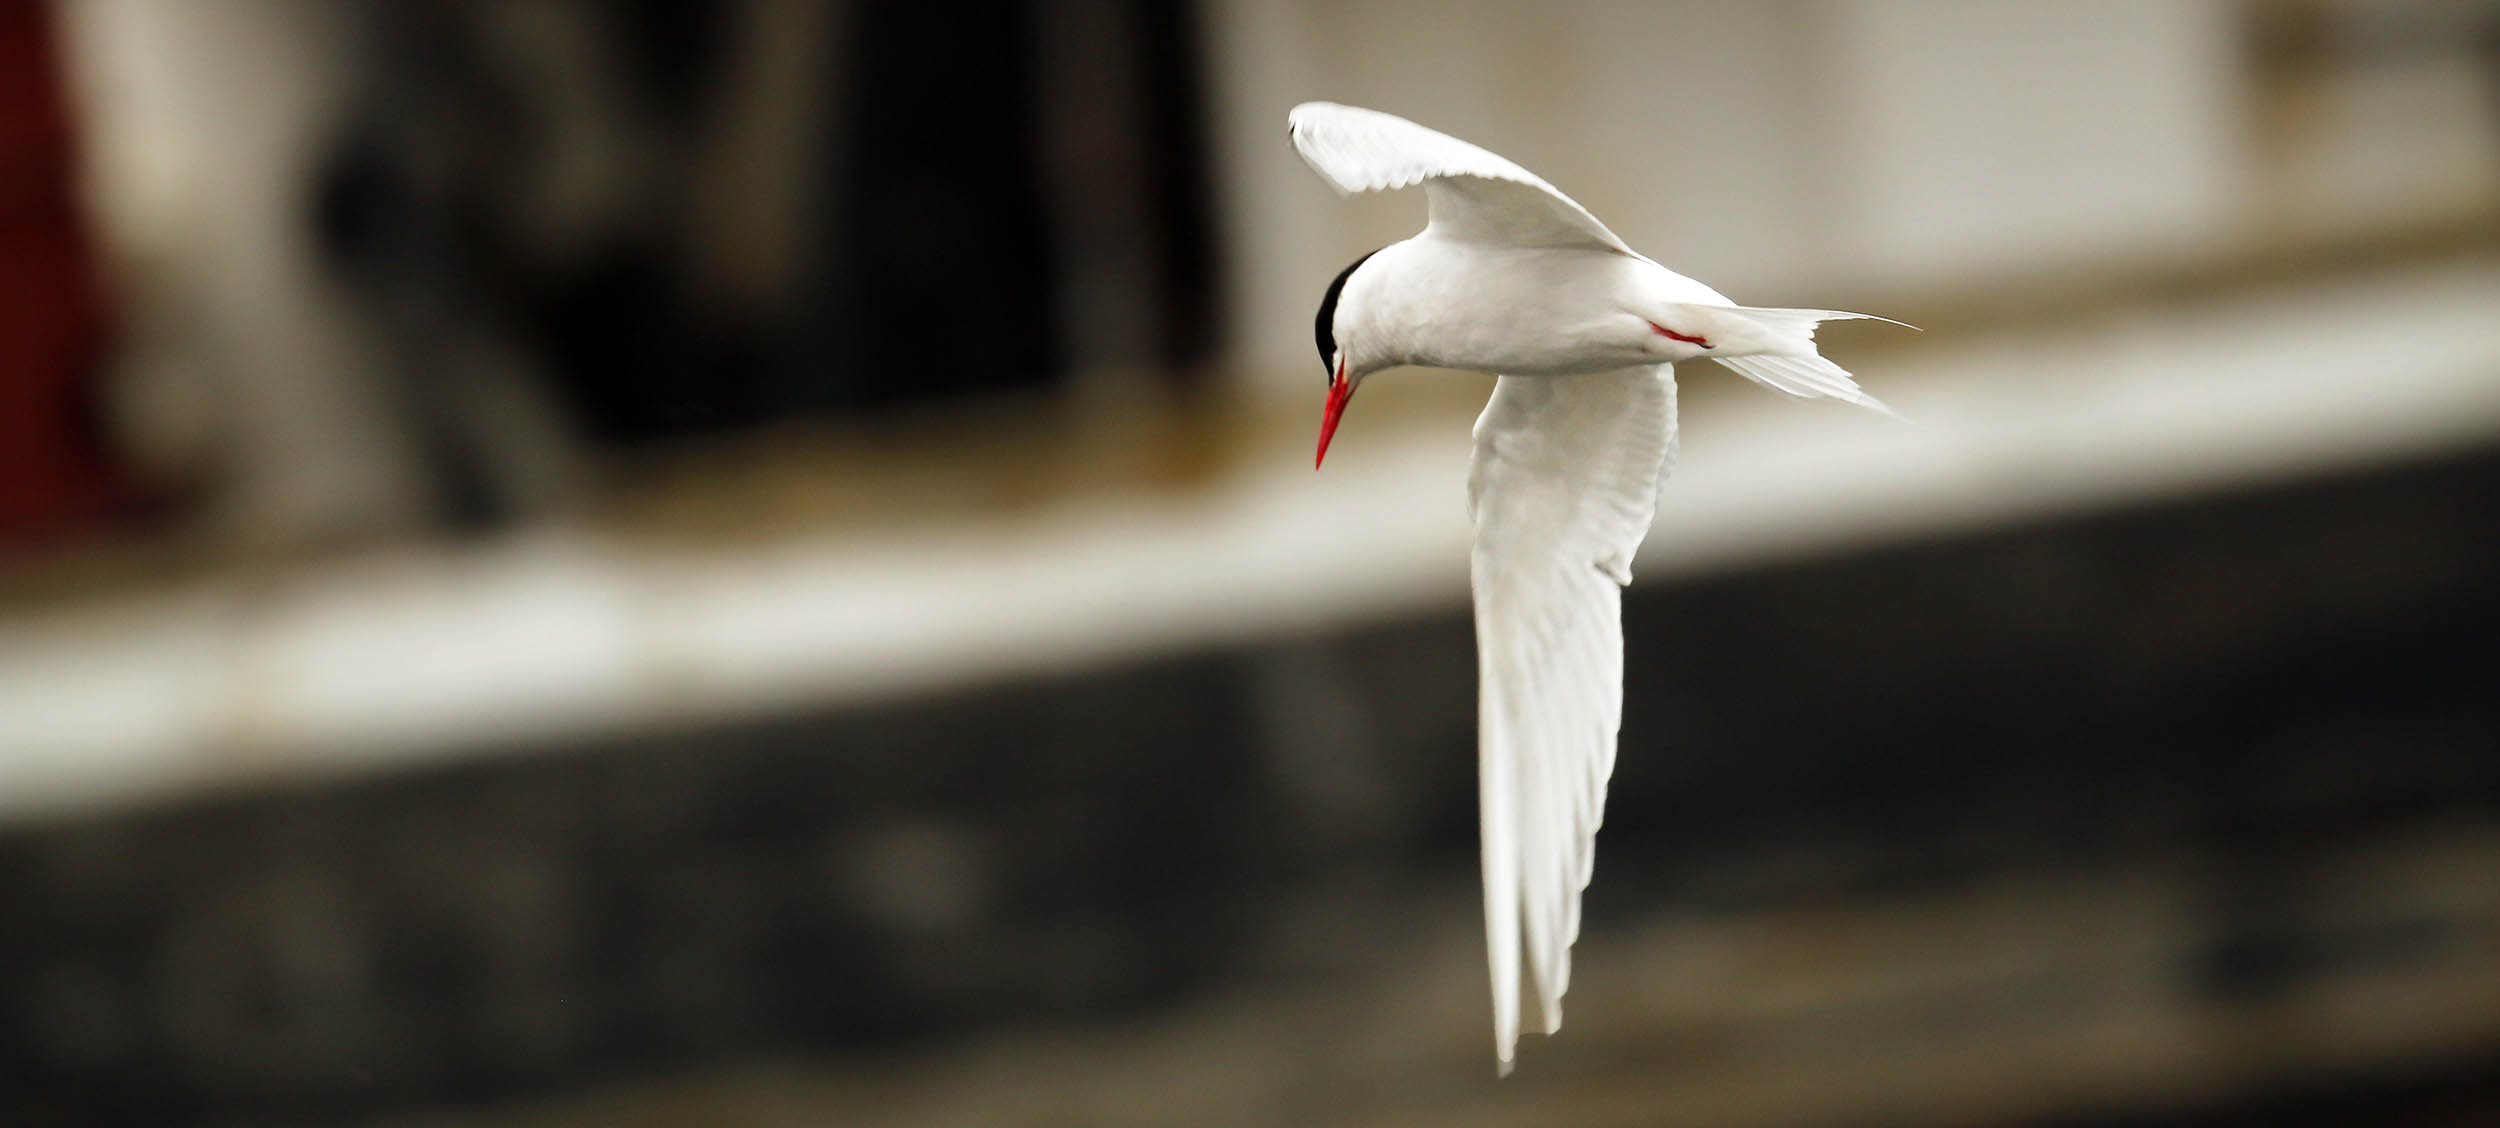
(755, 563)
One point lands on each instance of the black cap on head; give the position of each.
(1326, 327)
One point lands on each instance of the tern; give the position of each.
(1511, 277)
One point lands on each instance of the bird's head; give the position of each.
(1340, 353)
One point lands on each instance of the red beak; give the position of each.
(1339, 391)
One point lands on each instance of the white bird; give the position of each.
(1512, 277)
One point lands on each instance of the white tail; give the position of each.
(1789, 364)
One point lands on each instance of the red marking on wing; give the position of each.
(1663, 331)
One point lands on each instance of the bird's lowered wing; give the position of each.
(1563, 487)
(1475, 195)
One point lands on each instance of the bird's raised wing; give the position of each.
(1564, 484)
(1475, 195)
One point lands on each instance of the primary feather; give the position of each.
(1562, 488)
(1475, 195)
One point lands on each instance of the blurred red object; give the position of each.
(56, 472)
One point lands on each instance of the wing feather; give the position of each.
(1562, 489)
(1475, 195)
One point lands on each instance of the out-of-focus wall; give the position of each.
(1907, 153)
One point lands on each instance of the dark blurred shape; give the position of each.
(935, 274)
(587, 189)
(55, 471)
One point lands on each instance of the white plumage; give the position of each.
(1512, 277)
